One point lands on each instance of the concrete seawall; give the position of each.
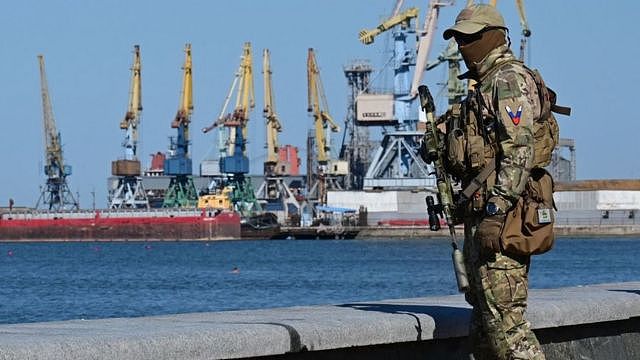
(590, 322)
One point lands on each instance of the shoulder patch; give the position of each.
(515, 117)
(508, 85)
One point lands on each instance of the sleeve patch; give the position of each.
(508, 86)
(515, 117)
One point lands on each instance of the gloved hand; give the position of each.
(488, 233)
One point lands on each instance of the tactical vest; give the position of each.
(471, 144)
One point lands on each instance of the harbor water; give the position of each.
(89, 280)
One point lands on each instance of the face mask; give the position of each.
(475, 51)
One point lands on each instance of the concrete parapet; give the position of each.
(597, 230)
(590, 322)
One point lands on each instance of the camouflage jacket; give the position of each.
(510, 97)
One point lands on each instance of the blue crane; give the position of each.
(181, 191)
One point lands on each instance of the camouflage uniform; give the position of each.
(507, 97)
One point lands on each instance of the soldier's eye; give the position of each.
(464, 39)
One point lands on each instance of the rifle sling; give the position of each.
(477, 182)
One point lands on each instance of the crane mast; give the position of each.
(274, 192)
(129, 191)
(425, 39)
(132, 117)
(273, 124)
(319, 109)
(185, 108)
(329, 173)
(245, 102)
(181, 191)
(55, 195)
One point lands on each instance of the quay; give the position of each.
(585, 322)
(422, 231)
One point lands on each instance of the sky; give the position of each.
(587, 51)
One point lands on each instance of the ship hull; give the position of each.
(161, 225)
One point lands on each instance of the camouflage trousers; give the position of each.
(498, 294)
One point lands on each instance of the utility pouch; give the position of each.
(545, 135)
(475, 149)
(528, 228)
(456, 144)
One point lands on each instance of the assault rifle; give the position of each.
(445, 207)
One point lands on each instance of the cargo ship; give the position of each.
(111, 224)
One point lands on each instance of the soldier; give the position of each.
(496, 121)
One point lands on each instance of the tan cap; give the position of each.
(475, 18)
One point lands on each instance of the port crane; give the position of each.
(234, 163)
(55, 194)
(396, 164)
(324, 173)
(271, 117)
(274, 191)
(181, 191)
(129, 191)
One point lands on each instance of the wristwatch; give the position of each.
(492, 209)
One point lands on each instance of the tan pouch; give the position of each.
(456, 144)
(528, 228)
(475, 149)
(545, 135)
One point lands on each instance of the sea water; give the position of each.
(89, 280)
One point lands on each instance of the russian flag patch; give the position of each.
(514, 117)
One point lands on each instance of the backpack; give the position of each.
(528, 227)
(545, 130)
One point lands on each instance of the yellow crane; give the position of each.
(132, 116)
(273, 123)
(234, 162)
(403, 18)
(274, 191)
(328, 169)
(319, 109)
(129, 192)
